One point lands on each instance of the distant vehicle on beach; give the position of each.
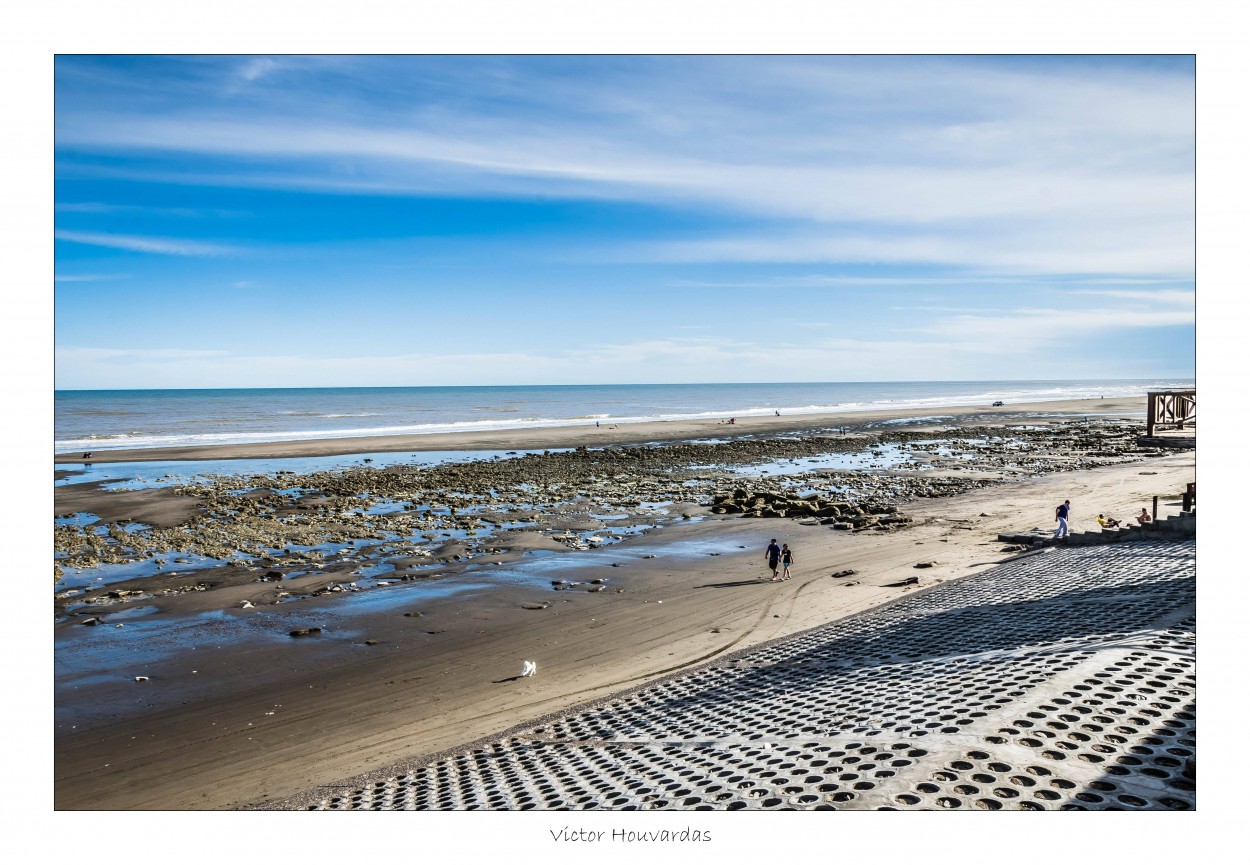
(997, 403)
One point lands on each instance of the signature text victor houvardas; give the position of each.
(631, 835)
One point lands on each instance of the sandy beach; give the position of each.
(234, 723)
(610, 434)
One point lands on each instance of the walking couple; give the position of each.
(779, 556)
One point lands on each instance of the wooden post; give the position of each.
(1154, 510)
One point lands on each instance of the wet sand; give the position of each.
(264, 719)
(590, 436)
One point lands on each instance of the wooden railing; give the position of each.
(1171, 409)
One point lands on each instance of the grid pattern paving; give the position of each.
(1062, 680)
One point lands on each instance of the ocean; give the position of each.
(111, 419)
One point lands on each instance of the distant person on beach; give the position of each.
(787, 559)
(777, 412)
(731, 420)
(1107, 522)
(596, 424)
(773, 554)
(1143, 517)
(1061, 517)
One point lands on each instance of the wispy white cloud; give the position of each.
(136, 243)
(86, 354)
(1162, 248)
(823, 282)
(1175, 297)
(1019, 180)
(100, 207)
(1019, 332)
(1050, 168)
(88, 277)
(820, 281)
(951, 343)
(257, 68)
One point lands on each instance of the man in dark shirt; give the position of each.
(773, 554)
(1061, 517)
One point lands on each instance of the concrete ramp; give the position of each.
(1060, 681)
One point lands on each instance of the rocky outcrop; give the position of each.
(840, 514)
(271, 528)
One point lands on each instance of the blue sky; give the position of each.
(317, 221)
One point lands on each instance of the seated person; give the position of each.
(1107, 522)
(1143, 517)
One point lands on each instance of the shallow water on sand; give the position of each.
(101, 420)
(167, 473)
(95, 666)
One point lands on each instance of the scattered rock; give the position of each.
(305, 632)
(534, 606)
(413, 615)
(141, 678)
(276, 518)
(371, 642)
(848, 572)
(924, 564)
(92, 621)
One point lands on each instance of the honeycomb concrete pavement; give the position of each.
(1063, 680)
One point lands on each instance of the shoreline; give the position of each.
(316, 712)
(539, 438)
(427, 666)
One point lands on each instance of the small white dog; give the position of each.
(528, 668)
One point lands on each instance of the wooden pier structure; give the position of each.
(1171, 409)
